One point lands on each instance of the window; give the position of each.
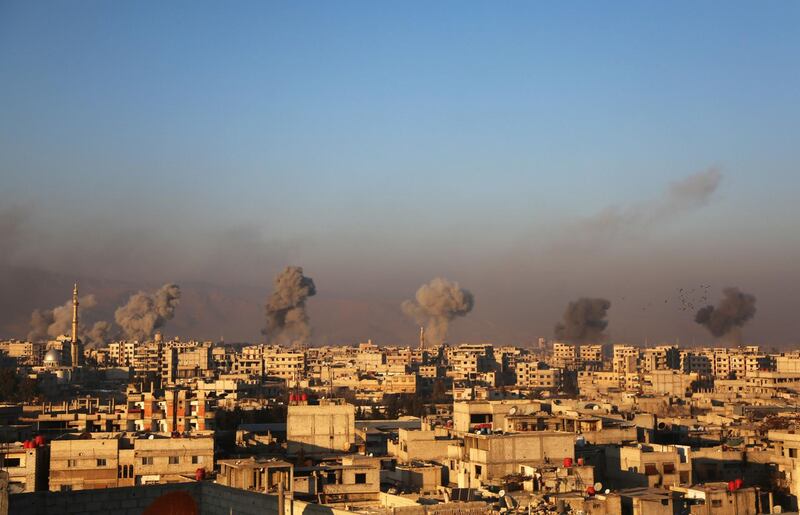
(72, 463)
(147, 461)
(478, 470)
(11, 462)
(173, 460)
(669, 468)
(361, 479)
(196, 460)
(716, 503)
(101, 462)
(66, 488)
(792, 453)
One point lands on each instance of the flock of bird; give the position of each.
(688, 299)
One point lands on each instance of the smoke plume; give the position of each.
(52, 323)
(287, 319)
(100, 333)
(732, 312)
(584, 321)
(636, 219)
(145, 312)
(436, 304)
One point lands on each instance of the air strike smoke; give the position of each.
(436, 304)
(287, 319)
(732, 312)
(144, 312)
(584, 321)
(100, 333)
(52, 323)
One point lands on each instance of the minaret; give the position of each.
(75, 352)
(421, 337)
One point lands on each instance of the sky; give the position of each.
(530, 151)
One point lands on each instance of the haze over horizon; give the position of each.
(533, 153)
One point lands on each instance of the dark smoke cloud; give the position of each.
(144, 312)
(732, 312)
(52, 323)
(584, 321)
(287, 319)
(436, 304)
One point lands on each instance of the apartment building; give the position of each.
(539, 376)
(564, 355)
(625, 359)
(26, 466)
(485, 457)
(109, 460)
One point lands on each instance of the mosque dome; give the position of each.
(52, 358)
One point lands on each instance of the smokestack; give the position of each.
(421, 337)
(436, 304)
(584, 321)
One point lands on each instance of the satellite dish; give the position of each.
(598, 486)
(608, 491)
(512, 411)
(501, 493)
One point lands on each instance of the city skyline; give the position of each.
(531, 153)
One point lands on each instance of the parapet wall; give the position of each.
(211, 499)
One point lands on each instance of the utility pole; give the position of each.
(281, 494)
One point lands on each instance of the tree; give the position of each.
(15, 388)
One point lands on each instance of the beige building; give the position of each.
(286, 365)
(564, 355)
(482, 457)
(420, 445)
(27, 468)
(625, 359)
(108, 460)
(259, 475)
(538, 376)
(469, 414)
(328, 427)
(649, 465)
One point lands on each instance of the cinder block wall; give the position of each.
(121, 501)
(211, 498)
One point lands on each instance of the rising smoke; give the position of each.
(727, 318)
(584, 321)
(55, 322)
(100, 333)
(145, 312)
(287, 319)
(436, 304)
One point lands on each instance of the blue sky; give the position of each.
(351, 135)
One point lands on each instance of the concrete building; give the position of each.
(649, 465)
(109, 460)
(27, 468)
(484, 457)
(326, 428)
(256, 474)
